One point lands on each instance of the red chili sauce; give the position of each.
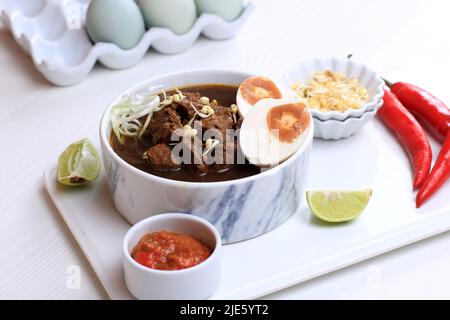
(164, 250)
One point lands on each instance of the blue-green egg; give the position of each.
(115, 21)
(229, 10)
(176, 15)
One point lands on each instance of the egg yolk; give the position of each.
(257, 88)
(287, 122)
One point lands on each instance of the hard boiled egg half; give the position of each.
(273, 130)
(253, 90)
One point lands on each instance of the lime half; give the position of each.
(338, 206)
(79, 164)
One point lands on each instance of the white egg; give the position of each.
(274, 130)
(255, 89)
(176, 15)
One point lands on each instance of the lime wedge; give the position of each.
(338, 206)
(78, 164)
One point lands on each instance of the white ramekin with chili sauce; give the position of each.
(172, 281)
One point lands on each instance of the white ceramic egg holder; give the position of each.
(52, 32)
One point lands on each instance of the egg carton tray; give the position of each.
(53, 33)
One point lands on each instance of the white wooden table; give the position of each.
(403, 39)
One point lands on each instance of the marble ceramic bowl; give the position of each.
(240, 209)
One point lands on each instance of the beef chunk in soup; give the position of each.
(202, 168)
(184, 107)
(221, 120)
(160, 157)
(163, 123)
(239, 123)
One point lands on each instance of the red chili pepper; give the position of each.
(426, 107)
(438, 176)
(411, 136)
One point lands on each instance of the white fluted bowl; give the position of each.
(336, 130)
(369, 79)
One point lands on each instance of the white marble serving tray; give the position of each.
(52, 32)
(300, 249)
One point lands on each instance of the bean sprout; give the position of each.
(210, 144)
(234, 110)
(125, 116)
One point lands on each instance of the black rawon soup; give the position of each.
(213, 106)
